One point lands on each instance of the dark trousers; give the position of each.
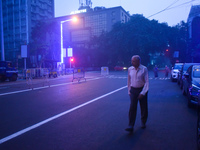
(133, 106)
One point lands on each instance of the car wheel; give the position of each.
(55, 75)
(189, 100)
(198, 128)
(13, 78)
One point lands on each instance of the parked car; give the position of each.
(53, 73)
(120, 68)
(175, 70)
(182, 72)
(191, 84)
(8, 71)
(198, 123)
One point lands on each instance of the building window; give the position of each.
(113, 20)
(23, 1)
(126, 19)
(33, 1)
(113, 13)
(80, 35)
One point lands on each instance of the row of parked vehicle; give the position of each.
(187, 76)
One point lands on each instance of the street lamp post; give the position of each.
(61, 31)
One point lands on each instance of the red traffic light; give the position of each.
(71, 59)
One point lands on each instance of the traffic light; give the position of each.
(72, 59)
(167, 53)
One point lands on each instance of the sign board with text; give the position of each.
(70, 52)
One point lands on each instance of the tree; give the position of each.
(139, 36)
(45, 42)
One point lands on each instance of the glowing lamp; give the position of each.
(74, 19)
(71, 59)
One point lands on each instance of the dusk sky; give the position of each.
(178, 11)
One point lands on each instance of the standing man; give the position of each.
(155, 70)
(166, 71)
(138, 86)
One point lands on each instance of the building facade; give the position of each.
(92, 23)
(19, 17)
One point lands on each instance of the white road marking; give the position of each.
(56, 116)
(43, 87)
(16, 92)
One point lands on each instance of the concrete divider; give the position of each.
(104, 71)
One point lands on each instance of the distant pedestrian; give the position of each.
(59, 69)
(138, 86)
(155, 70)
(166, 71)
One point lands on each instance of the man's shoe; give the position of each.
(129, 129)
(143, 126)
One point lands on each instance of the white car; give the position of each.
(174, 72)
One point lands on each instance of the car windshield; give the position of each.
(196, 72)
(178, 66)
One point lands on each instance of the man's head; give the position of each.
(135, 60)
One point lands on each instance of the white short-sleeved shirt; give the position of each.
(138, 78)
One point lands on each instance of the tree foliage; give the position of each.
(45, 42)
(139, 36)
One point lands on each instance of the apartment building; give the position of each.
(91, 23)
(19, 17)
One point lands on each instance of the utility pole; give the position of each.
(2, 37)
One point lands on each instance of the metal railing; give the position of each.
(37, 73)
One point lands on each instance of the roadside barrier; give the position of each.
(39, 74)
(78, 73)
(104, 71)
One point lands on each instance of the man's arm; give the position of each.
(146, 85)
(129, 82)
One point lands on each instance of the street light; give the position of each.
(74, 19)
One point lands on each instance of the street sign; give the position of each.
(176, 54)
(64, 52)
(24, 51)
(69, 52)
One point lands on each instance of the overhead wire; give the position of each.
(181, 4)
(169, 7)
(164, 9)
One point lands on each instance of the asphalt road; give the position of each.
(58, 114)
